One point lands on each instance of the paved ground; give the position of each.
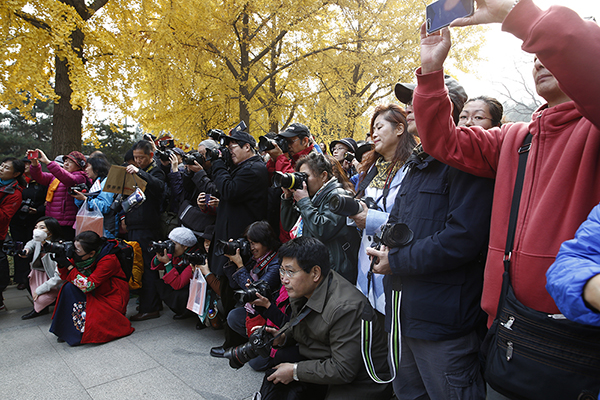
(162, 359)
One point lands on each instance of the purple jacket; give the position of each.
(62, 207)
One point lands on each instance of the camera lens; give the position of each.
(344, 205)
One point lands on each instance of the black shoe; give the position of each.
(21, 286)
(59, 340)
(144, 316)
(218, 352)
(200, 325)
(184, 315)
(33, 314)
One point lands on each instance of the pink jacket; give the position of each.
(562, 179)
(62, 207)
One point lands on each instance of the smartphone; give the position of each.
(442, 12)
(207, 198)
(33, 154)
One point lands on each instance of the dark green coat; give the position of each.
(342, 241)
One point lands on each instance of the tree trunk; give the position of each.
(66, 122)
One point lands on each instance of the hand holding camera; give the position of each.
(301, 193)
(164, 257)
(235, 258)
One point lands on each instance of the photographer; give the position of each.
(91, 306)
(380, 181)
(44, 278)
(262, 266)
(344, 151)
(22, 223)
(59, 202)
(243, 201)
(326, 325)
(97, 170)
(174, 287)
(198, 176)
(305, 212)
(143, 224)
(11, 186)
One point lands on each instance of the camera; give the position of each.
(160, 247)
(347, 206)
(194, 258)
(349, 157)
(265, 143)
(223, 247)
(291, 181)
(218, 136)
(80, 187)
(260, 343)
(26, 205)
(392, 235)
(192, 157)
(61, 251)
(164, 149)
(248, 294)
(13, 248)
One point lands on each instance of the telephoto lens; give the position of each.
(291, 181)
(344, 205)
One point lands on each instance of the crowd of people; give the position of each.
(372, 272)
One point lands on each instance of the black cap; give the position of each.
(241, 136)
(348, 142)
(404, 92)
(295, 129)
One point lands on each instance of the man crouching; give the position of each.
(326, 326)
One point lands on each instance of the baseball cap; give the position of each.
(295, 129)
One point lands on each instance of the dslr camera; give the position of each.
(223, 247)
(291, 181)
(26, 205)
(194, 258)
(260, 343)
(392, 235)
(61, 251)
(160, 247)
(248, 294)
(347, 206)
(80, 187)
(164, 149)
(192, 157)
(218, 136)
(13, 248)
(349, 157)
(268, 141)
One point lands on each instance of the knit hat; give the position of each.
(183, 236)
(77, 158)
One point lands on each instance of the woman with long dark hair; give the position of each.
(382, 173)
(91, 306)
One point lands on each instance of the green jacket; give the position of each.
(342, 241)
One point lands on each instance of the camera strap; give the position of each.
(366, 334)
(260, 266)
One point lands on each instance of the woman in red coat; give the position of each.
(91, 306)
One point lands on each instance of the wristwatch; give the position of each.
(295, 373)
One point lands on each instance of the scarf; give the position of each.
(84, 267)
(386, 170)
(51, 189)
(6, 182)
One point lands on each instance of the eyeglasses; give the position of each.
(286, 272)
(476, 118)
(292, 141)
(338, 148)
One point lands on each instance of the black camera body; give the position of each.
(61, 251)
(223, 247)
(160, 247)
(260, 343)
(349, 156)
(392, 236)
(26, 205)
(218, 136)
(80, 187)
(266, 143)
(164, 149)
(13, 248)
(249, 293)
(193, 157)
(194, 258)
(346, 205)
(291, 181)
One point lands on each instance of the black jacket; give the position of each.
(147, 215)
(243, 201)
(441, 271)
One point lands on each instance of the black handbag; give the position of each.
(535, 355)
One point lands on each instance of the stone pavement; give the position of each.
(162, 359)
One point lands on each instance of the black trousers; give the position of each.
(149, 299)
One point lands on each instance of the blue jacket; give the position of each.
(577, 262)
(440, 272)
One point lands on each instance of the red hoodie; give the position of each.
(562, 179)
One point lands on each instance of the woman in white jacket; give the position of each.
(44, 279)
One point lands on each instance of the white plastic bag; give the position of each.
(89, 220)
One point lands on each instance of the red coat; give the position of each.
(10, 202)
(107, 297)
(562, 179)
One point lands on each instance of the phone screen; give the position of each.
(207, 198)
(441, 13)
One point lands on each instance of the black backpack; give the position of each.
(124, 252)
